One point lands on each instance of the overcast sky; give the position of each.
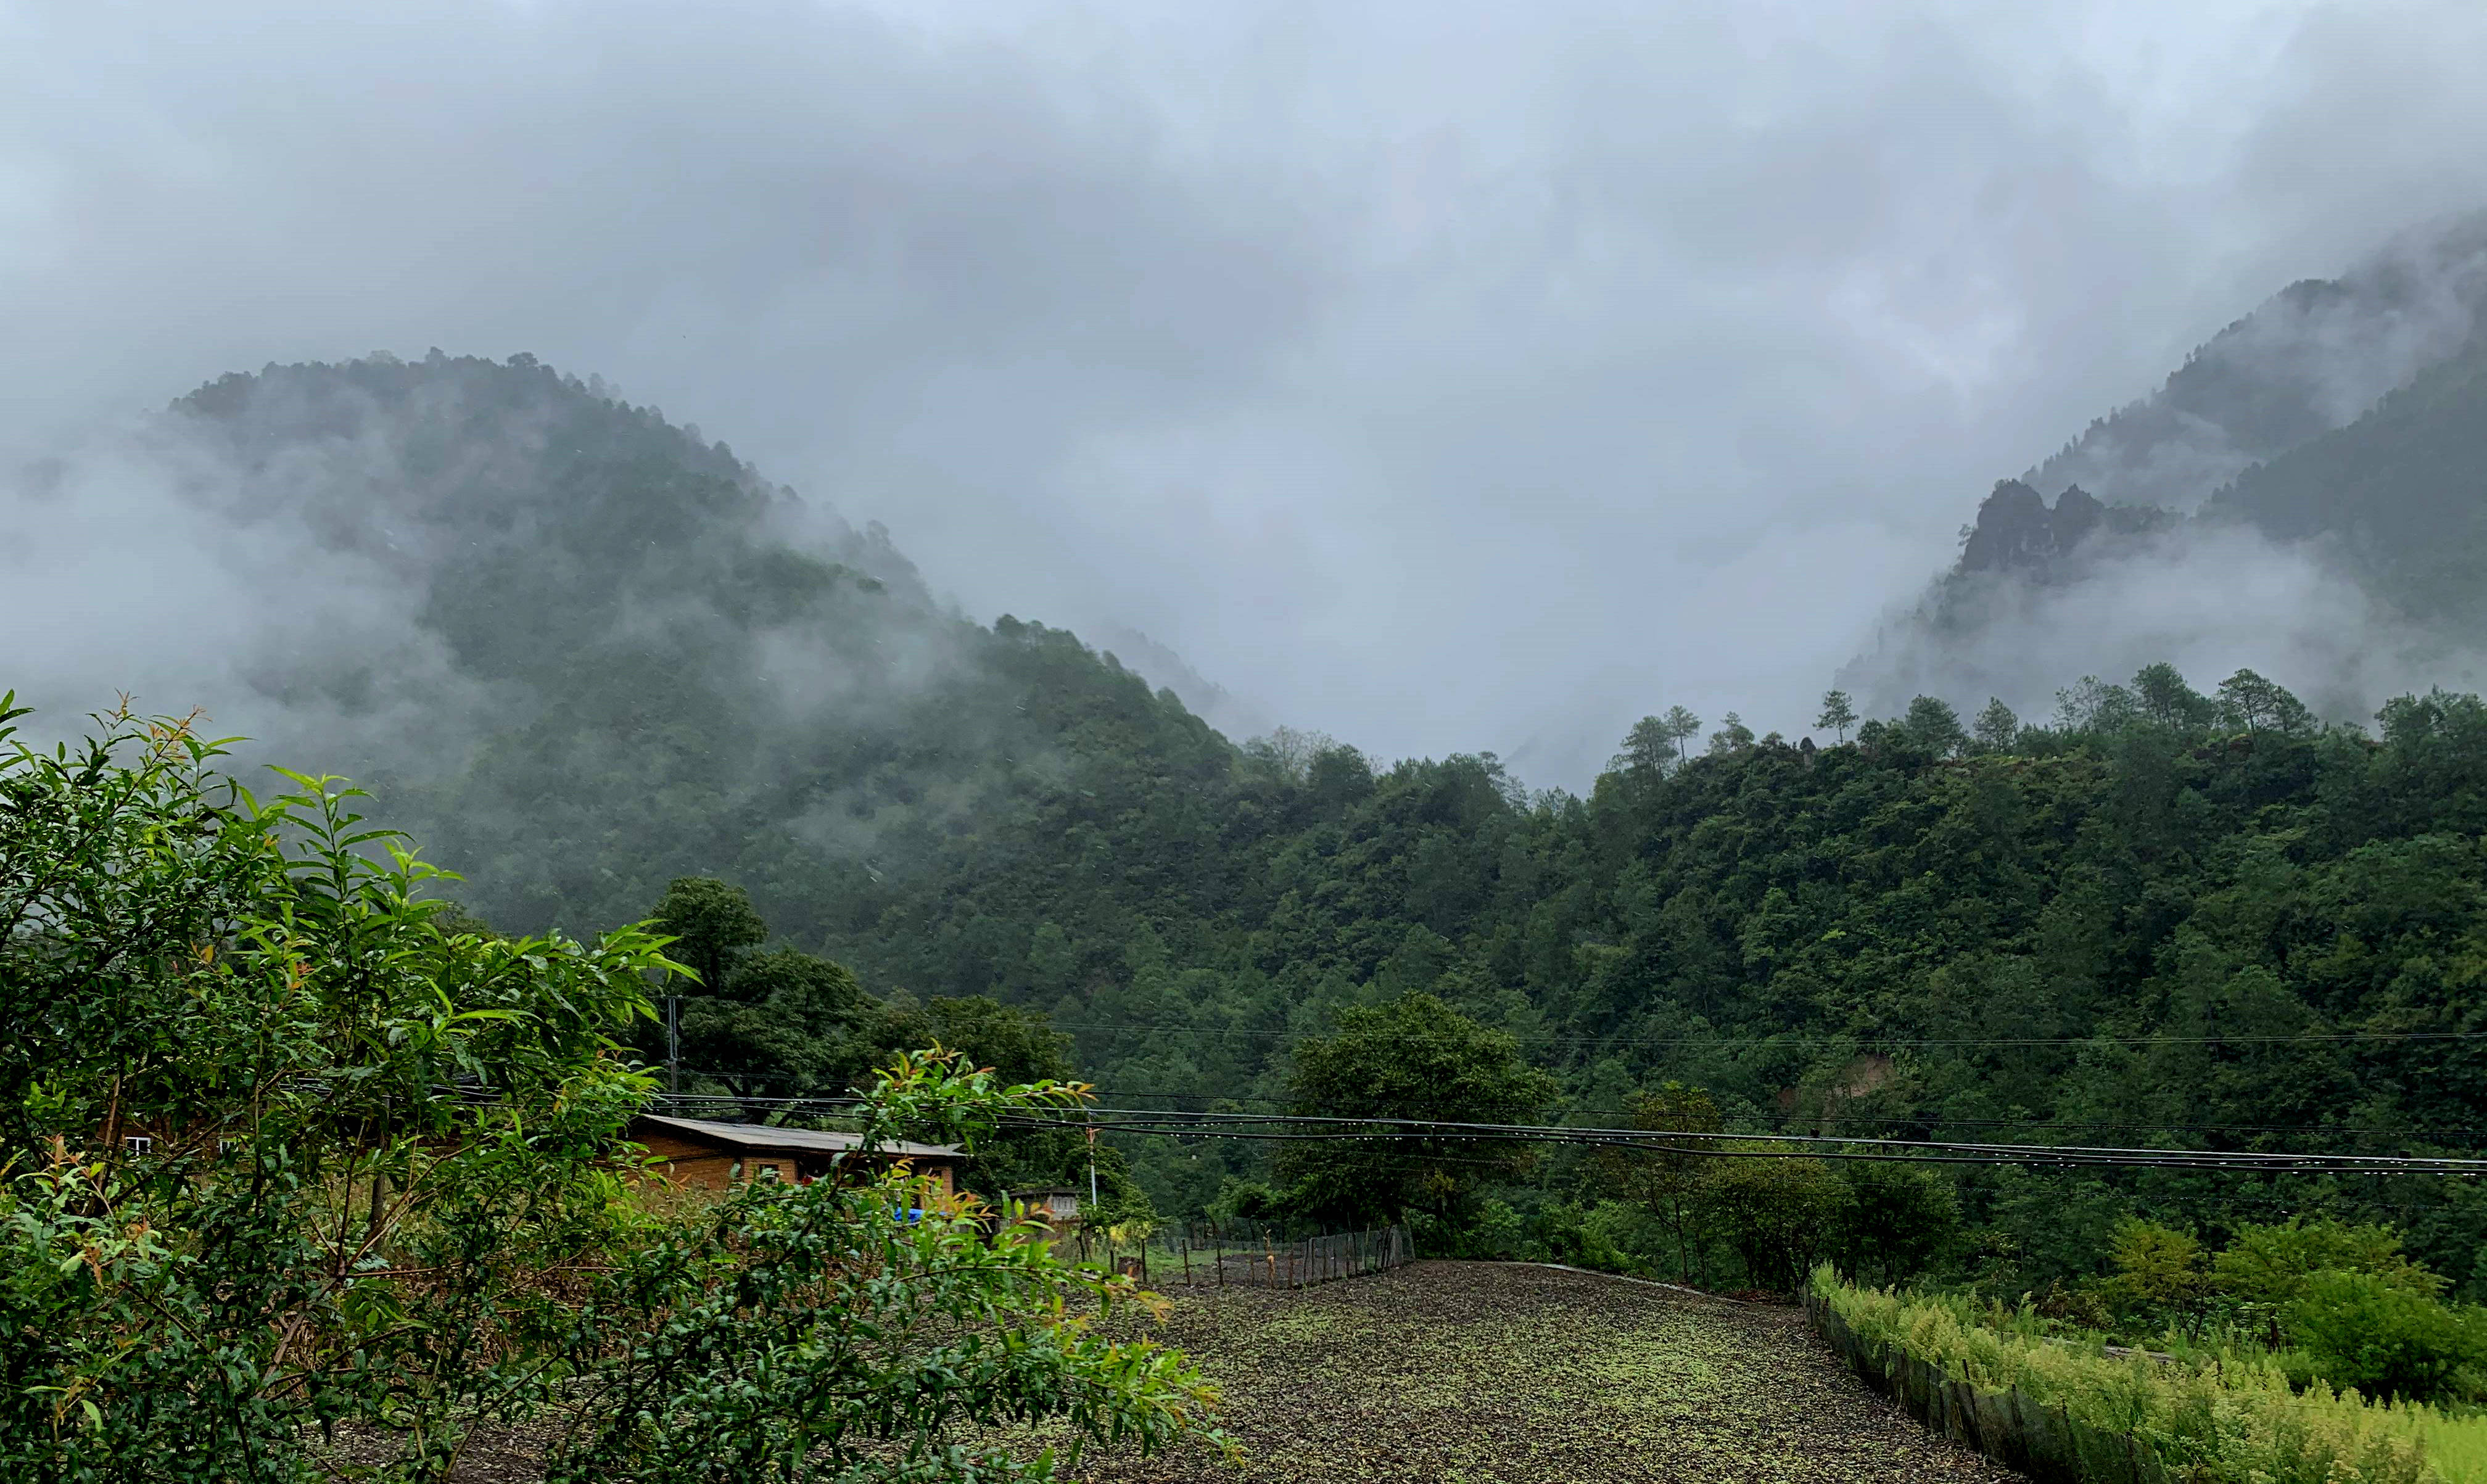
(1445, 376)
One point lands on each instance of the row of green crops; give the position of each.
(2071, 1408)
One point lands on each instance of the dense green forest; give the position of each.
(2164, 916)
(1900, 933)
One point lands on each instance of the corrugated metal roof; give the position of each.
(769, 1136)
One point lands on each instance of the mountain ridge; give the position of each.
(2302, 473)
(581, 630)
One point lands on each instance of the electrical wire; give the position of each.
(1949, 1120)
(1313, 1128)
(1298, 1128)
(1859, 1041)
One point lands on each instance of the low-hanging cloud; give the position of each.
(2210, 597)
(1445, 377)
(145, 563)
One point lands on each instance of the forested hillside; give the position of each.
(2165, 918)
(651, 661)
(2172, 920)
(2400, 496)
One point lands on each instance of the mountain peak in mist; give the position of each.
(2311, 358)
(2299, 497)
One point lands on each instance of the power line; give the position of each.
(1198, 1124)
(792, 1102)
(1858, 1041)
(1314, 1128)
(2026, 1156)
(1943, 1119)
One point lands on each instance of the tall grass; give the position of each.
(2456, 1447)
(2207, 1415)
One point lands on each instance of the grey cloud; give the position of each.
(1441, 376)
(146, 563)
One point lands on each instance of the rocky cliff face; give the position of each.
(2017, 534)
(2302, 493)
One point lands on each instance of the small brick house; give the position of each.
(714, 1155)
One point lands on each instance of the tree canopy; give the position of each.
(1411, 1058)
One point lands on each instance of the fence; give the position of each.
(1247, 1254)
(2015, 1429)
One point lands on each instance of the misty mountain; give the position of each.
(579, 650)
(2398, 497)
(2312, 358)
(2302, 496)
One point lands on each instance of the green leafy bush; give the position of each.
(302, 1177)
(2388, 1337)
(2272, 1264)
(830, 1331)
(2159, 1278)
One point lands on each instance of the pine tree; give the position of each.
(1838, 713)
(1647, 746)
(1732, 736)
(1681, 725)
(1932, 724)
(1996, 729)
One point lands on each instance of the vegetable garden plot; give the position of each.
(1519, 1374)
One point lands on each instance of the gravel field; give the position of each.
(1467, 1373)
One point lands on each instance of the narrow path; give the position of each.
(1500, 1373)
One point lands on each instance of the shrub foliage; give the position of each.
(301, 1174)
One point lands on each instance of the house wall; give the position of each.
(691, 1162)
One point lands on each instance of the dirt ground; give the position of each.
(1501, 1372)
